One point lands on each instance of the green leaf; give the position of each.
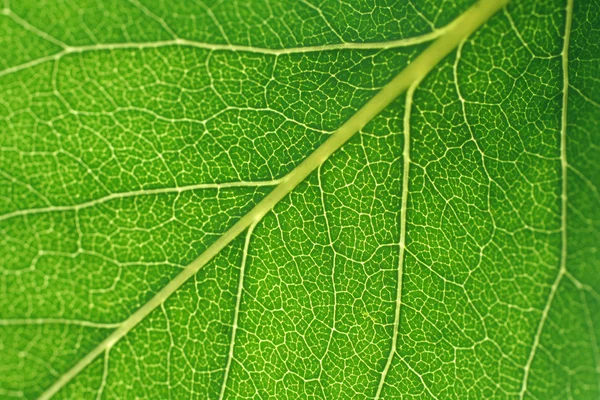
(299, 199)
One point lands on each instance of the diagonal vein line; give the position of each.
(462, 27)
(402, 242)
(35, 30)
(563, 200)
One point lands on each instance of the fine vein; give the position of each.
(563, 225)
(462, 27)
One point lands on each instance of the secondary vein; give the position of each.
(459, 29)
(563, 200)
(137, 193)
(402, 242)
(227, 47)
(236, 313)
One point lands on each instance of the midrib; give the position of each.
(458, 30)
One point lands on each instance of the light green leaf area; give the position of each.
(447, 250)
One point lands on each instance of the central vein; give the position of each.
(457, 31)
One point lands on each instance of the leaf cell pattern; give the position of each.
(448, 250)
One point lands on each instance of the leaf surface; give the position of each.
(447, 250)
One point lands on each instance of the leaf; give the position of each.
(182, 217)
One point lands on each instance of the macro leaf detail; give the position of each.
(299, 199)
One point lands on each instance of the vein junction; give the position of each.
(461, 28)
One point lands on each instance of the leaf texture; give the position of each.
(447, 250)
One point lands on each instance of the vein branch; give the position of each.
(58, 321)
(35, 30)
(462, 27)
(236, 312)
(136, 193)
(227, 47)
(402, 241)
